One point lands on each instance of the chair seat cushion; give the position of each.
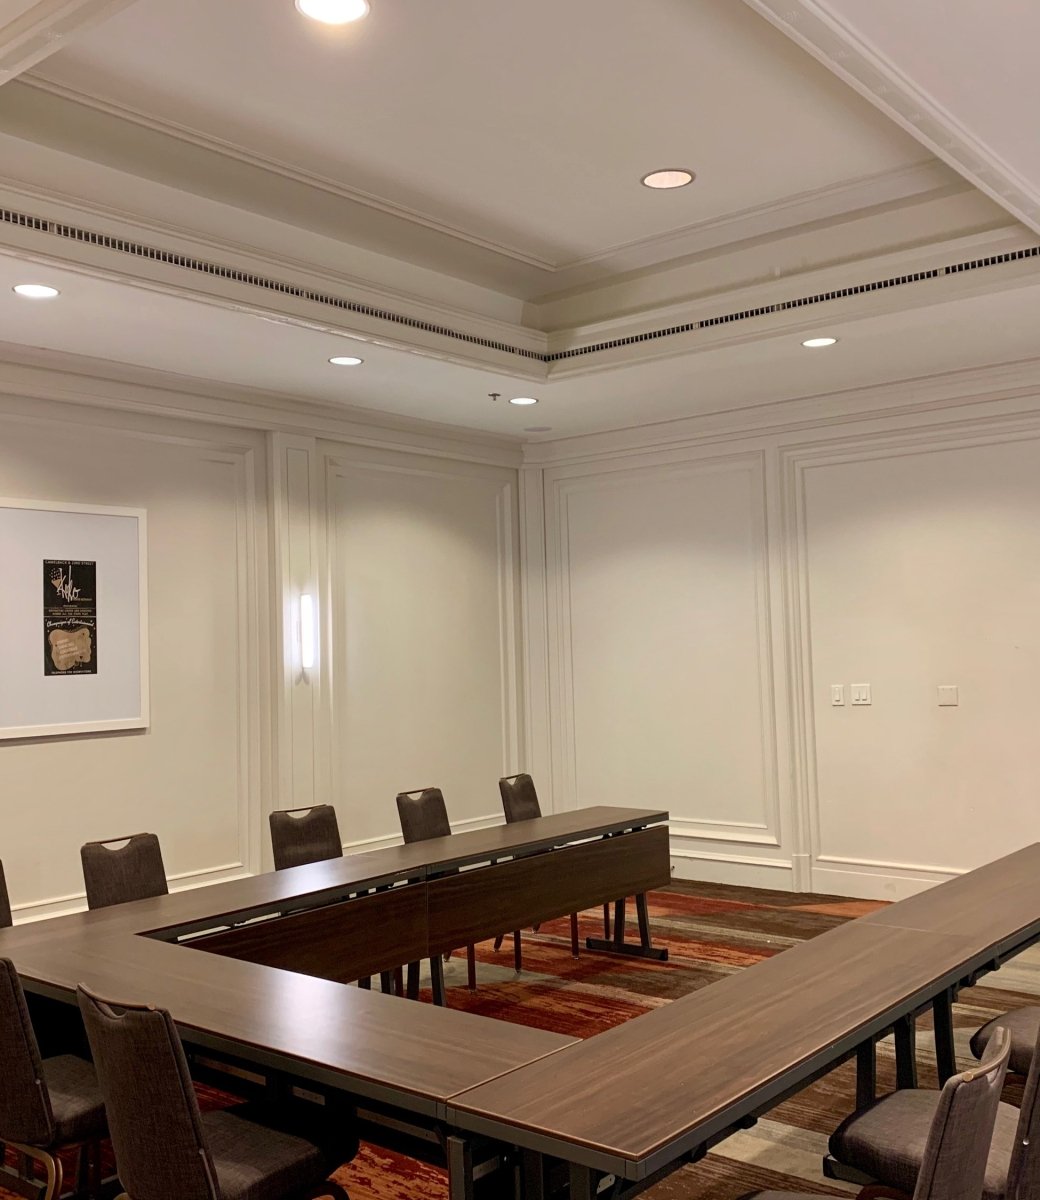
(268, 1152)
(1024, 1025)
(79, 1111)
(886, 1141)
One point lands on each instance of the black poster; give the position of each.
(69, 617)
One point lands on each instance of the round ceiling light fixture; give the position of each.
(36, 291)
(333, 12)
(524, 400)
(668, 177)
(346, 360)
(817, 343)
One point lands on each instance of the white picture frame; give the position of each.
(111, 696)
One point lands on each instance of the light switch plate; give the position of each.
(837, 694)
(949, 696)
(860, 693)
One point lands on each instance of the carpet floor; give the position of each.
(711, 931)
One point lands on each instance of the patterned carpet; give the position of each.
(710, 931)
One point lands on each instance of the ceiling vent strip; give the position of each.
(220, 271)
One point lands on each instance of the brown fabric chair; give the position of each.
(888, 1139)
(1024, 1027)
(305, 835)
(166, 1149)
(520, 803)
(122, 869)
(424, 815)
(46, 1105)
(5, 902)
(952, 1161)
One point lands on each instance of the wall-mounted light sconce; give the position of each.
(308, 633)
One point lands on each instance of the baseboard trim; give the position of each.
(872, 885)
(739, 870)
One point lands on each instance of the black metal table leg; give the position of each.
(460, 1169)
(440, 997)
(582, 1185)
(945, 1050)
(617, 943)
(532, 1176)
(412, 986)
(866, 1074)
(906, 1052)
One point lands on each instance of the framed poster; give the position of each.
(73, 619)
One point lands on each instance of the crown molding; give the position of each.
(999, 387)
(276, 166)
(44, 26)
(901, 185)
(812, 25)
(40, 375)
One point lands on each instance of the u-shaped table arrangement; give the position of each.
(254, 972)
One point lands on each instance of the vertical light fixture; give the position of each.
(308, 633)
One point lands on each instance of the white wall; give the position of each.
(703, 595)
(410, 544)
(197, 776)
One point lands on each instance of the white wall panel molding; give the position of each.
(835, 865)
(208, 649)
(421, 587)
(578, 774)
(817, 28)
(536, 757)
(301, 759)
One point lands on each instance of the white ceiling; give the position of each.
(113, 323)
(476, 163)
(527, 125)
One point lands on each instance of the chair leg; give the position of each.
(471, 967)
(27, 1155)
(412, 990)
(606, 922)
(440, 996)
(398, 981)
(574, 934)
(518, 952)
(498, 942)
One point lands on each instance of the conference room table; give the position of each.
(254, 970)
(513, 1110)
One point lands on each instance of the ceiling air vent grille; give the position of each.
(263, 282)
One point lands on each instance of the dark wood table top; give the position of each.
(416, 1054)
(387, 1048)
(1002, 897)
(691, 1069)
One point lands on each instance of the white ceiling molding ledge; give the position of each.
(922, 69)
(36, 30)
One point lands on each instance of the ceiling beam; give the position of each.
(39, 28)
(876, 71)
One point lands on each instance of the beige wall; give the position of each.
(702, 599)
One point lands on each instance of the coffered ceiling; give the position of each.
(458, 185)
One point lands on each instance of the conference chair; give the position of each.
(424, 815)
(166, 1149)
(520, 803)
(47, 1105)
(955, 1140)
(5, 902)
(1023, 1024)
(118, 870)
(300, 836)
(304, 835)
(886, 1140)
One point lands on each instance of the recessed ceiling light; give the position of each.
(524, 400)
(346, 360)
(36, 291)
(333, 12)
(817, 342)
(670, 177)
